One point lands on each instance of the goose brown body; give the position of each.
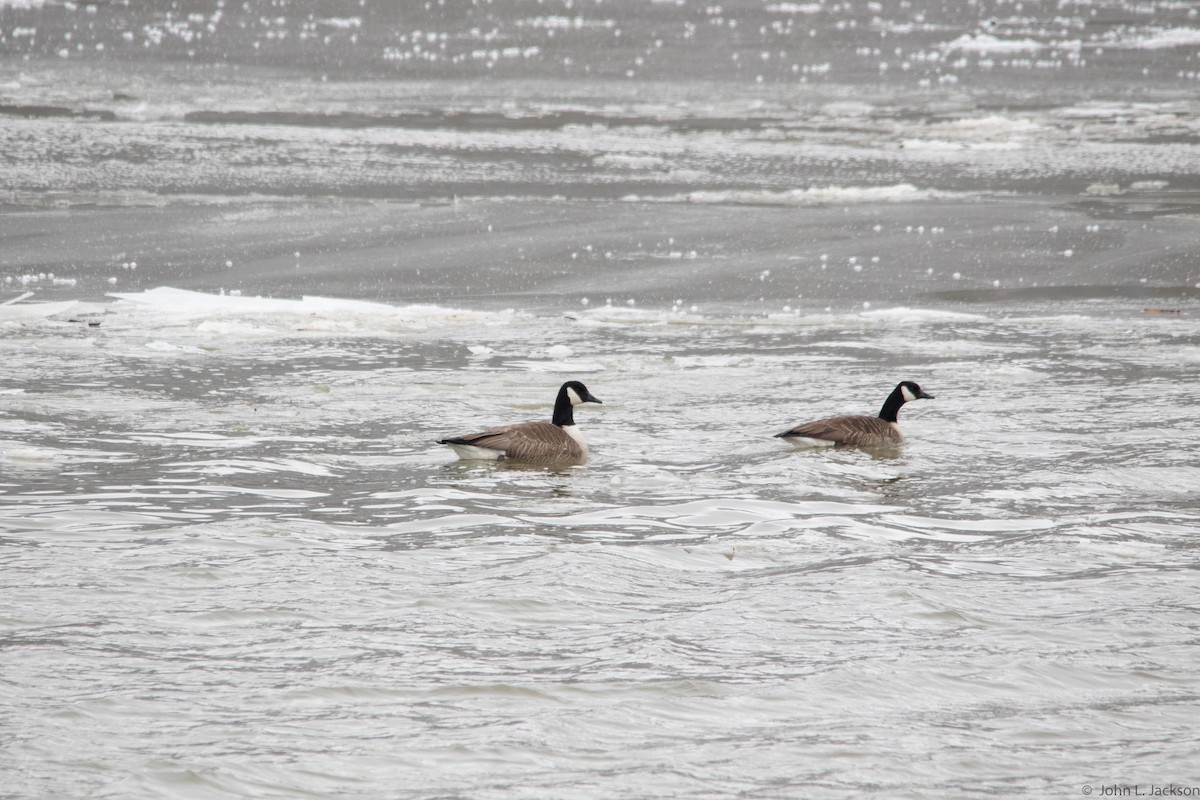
(530, 442)
(857, 430)
(860, 430)
(554, 442)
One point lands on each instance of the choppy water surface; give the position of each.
(274, 251)
(236, 565)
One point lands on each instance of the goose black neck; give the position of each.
(891, 406)
(564, 413)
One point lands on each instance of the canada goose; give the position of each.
(860, 430)
(557, 441)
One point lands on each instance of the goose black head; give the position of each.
(578, 393)
(911, 391)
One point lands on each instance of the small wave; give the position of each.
(238, 466)
(194, 439)
(980, 527)
(66, 518)
(452, 524)
(753, 517)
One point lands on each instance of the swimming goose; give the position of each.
(860, 430)
(557, 441)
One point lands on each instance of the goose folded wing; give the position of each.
(854, 430)
(527, 441)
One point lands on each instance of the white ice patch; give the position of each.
(931, 145)
(986, 43)
(14, 454)
(24, 312)
(182, 301)
(991, 125)
(621, 161)
(624, 315)
(556, 366)
(266, 316)
(343, 23)
(820, 195)
(233, 328)
(795, 8)
(990, 132)
(919, 315)
(167, 347)
(1160, 39)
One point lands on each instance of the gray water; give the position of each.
(256, 258)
